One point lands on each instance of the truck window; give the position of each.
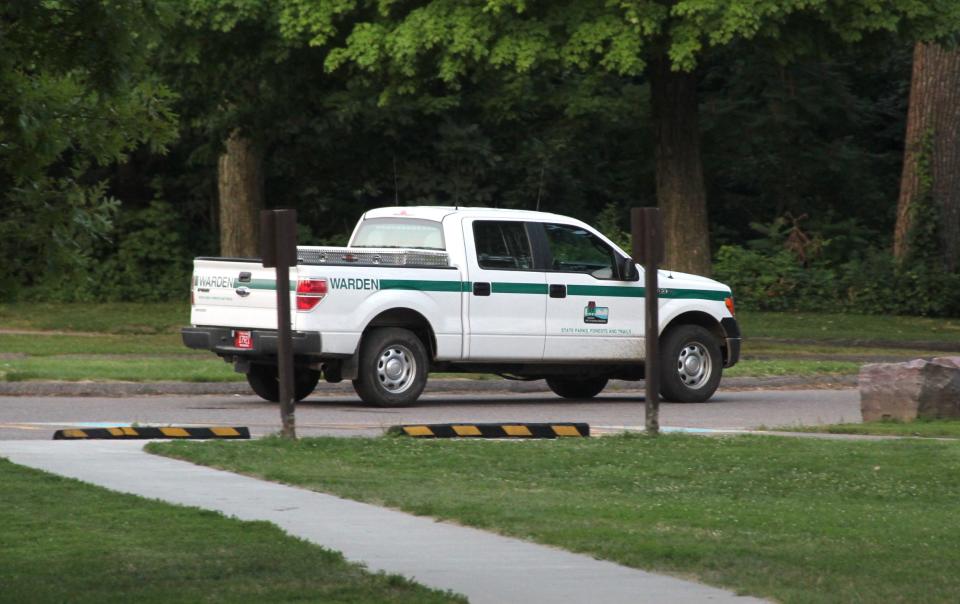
(399, 232)
(576, 250)
(502, 245)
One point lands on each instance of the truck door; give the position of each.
(591, 313)
(506, 297)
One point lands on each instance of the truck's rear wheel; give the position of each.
(691, 364)
(264, 382)
(393, 368)
(577, 388)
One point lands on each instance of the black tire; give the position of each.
(690, 364)
(263, 379)
(577, 388)
(393, 368)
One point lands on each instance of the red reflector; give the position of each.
(310, 292)
(242, 339)
(730, 307)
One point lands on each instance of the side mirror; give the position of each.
(628, 270)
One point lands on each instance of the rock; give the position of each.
(906, 391)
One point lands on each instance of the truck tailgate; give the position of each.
(234, 293)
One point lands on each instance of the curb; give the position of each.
(511, 430)
(128, 433)
(121, 389)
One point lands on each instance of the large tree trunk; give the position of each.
(680, 190)
(931, 160)
(240, 186)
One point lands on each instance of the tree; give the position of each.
(76, 96)
(445, 44)
(240, 192)
(930, 185)
(221, 56)
(244, 89)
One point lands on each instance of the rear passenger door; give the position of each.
(591, 313)
(506, 297)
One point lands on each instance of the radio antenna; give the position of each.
(540, 184)
(396, 190)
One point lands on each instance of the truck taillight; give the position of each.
(310, 292)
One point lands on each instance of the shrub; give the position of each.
(775, 280)
(145, 259)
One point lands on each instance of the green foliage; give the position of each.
(447, 40)
(821, 138)
(871, 283)
(75, 97)
(151, 261)
(144, 258)
(503, 103)
(609, 222)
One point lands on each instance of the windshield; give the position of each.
(399, 232)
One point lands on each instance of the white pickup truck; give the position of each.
(526, 295)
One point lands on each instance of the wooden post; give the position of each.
(646, 231)
(278, 230)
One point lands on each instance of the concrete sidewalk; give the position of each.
(483, 566)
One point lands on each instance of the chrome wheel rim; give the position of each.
(694, 365)
(396, 368)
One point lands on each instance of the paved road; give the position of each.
(26, 417)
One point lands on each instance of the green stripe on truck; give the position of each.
(504, 287)
(423, 286)
(518, 288)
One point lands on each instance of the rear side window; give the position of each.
(502, 245)
(576, 250)
(399, 232)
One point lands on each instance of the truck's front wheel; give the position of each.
(393, 368)
(691, 364)
(264, 382)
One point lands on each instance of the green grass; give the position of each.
(942, 428)
(119, 368)
(47, 345)
(760, 348)
(861, 328)
(797, 520)
(791, 367)
(118, 317)
(65, 541)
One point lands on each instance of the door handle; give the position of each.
(481, 289)
(558, 291)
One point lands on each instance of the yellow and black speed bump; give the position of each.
(121, 433)
(510, 430)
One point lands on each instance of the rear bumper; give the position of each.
(220, 341)
(733, 339)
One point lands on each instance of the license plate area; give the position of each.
(243, 339)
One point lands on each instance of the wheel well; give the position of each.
(407, 319)
(703, 320)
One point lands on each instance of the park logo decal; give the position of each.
(595, 314)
